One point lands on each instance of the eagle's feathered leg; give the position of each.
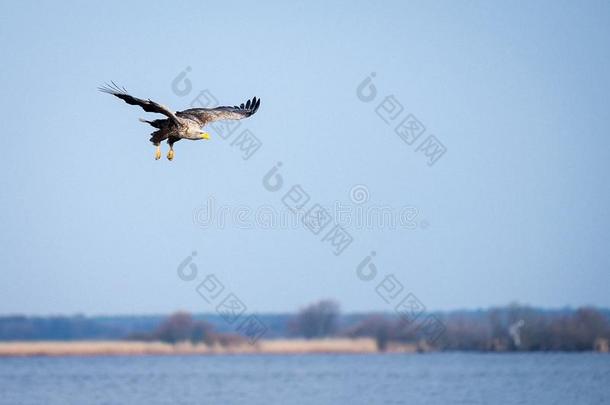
(170, 141)
(156, 138)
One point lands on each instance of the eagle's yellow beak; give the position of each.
(205, 135)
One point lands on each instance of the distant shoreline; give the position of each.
(132, 348)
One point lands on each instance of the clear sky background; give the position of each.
(516, 210)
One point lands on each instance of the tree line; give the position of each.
(511, 328)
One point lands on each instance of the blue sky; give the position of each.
(515, 210)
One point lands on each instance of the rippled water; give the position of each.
(444, 378)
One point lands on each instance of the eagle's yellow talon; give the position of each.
(158, 153)
(170, 154)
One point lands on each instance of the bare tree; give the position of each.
(316, 320)
(181, 326)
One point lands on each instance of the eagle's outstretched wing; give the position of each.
(207, 115)
(147, 105)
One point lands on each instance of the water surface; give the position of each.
(443, 378)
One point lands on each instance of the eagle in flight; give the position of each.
(186, 124)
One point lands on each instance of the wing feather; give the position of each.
(207, 115)
(147, 105)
